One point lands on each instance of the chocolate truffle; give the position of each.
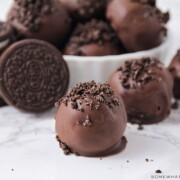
(33, 75)
(174, 68)
(94, 38)
(38, 19)
(83, 10)
(140, 24)
(91, 121)
(146, 87)
(6, 35)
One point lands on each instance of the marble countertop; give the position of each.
(28, 149)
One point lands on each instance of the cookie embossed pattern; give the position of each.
(38, 66)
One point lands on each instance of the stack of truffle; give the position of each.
(91, 27)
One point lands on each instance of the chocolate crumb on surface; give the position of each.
(174, 69)
(140, 127)
(90, 90)
(64, 147)
(158, 171)
(137, 73)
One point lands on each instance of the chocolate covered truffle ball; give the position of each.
(174, 68)
(91, 121)
(95, 38)
(146, 87)
(39, 19)
(139, 24)
(83, 10)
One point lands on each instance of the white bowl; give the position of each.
(83, 69)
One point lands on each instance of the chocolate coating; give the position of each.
(140, 26)
(174, 68)
(95, 38)
(146, 86)
(83, 10)
(44, 20)
(33, 75)
(91, 121)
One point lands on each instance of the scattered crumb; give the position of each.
(12, 169)
(127, 161)
(175, 105)
(100, 158)
(140, 127)
(158, 171)
(149, 160)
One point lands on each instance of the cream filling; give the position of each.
(3, 44)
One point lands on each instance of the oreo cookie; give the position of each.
(33, 75)
(6, 34)
(2, 103)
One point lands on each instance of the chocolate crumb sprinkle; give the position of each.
(91, 94)
(29, 12)
(86, 122)
(64, 147)
(134, 74)
(95, 31)
(158, 171)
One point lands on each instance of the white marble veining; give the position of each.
(29, 151)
